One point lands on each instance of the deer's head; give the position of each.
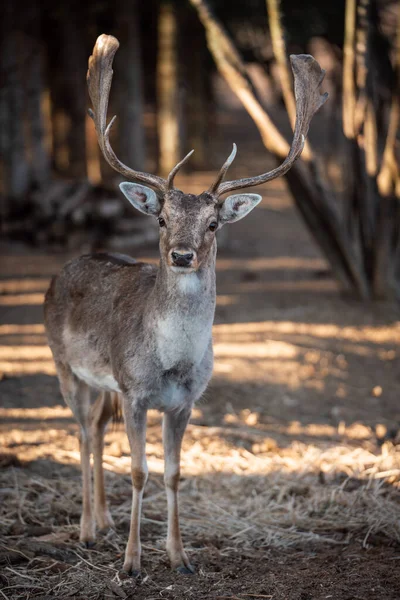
(188, 223)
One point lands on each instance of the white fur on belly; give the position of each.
(101, 381)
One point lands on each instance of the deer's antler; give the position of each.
(99, 78)
(308, 77)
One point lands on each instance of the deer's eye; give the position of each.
(213, 226)
(161, 222)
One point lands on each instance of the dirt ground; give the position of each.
(290, 467)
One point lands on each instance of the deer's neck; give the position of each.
(183, 314)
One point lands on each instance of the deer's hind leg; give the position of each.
(77, 396)
(102, 412)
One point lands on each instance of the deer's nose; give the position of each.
(182, 258)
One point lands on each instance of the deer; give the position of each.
(142, 333)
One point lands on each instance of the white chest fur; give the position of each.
(182, 339)
(183, 336)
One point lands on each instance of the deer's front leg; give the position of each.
(174, 425)
(136, 429)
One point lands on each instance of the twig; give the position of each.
(20, 574)
(153, 549)
(15, 550)
(258, 595)
(92, 565)
(20, 499)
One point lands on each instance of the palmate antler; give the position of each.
(308, 77)
(99, 78)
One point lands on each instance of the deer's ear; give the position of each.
(141, 197)
(237, 206)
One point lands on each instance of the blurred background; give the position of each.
(195, 75)
(291, 462)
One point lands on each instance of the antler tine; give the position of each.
(99, 78)
(170, 179)
(214, 187)
(308, 77)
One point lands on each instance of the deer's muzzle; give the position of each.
(183, 257)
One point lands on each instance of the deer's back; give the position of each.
(85, 302)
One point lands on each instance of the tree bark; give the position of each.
(167, 89)
(13, 57)
(68, 63)
(349, 92)
(196, 86)
(388, 181)
(279, 49)
(23, 148)
(40, 162)
(129, 87)
(16, 166)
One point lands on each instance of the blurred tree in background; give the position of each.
(165, 95)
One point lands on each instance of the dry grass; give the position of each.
(234, 501)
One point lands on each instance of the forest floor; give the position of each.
(290, 468)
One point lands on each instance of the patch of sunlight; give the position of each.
(226, 300)
(21, 299)
(59, 411)
(267, 370)
(21, 329)
(41, 413)
(45, 367)
(25, 352)
(267, 349)
(220, 367)
(26, 359)
(13, 286)
(367, 333)
(211, 450)
(355, 431)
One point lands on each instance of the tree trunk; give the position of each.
(35, 87)
(129, 87)
(279, 48)
(317, 205)
(197, 96)
(388, 182)
(14, 157)
(24, 155)
(167, 89)
(75, 62)
(68, 63)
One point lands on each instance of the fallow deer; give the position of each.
(144, 332)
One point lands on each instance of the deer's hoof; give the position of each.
(104, 522)
(89, 544)
(134, 573)
(186, 570)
